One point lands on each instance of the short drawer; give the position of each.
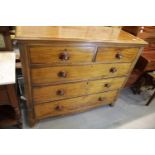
(49, 54)
(84, 72)
(57, 92)
(69, 90)
(67, 106)
(116, 54)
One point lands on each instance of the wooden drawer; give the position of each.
(3, 96)
(116, 54)
(150, 66)
(56, 92)
(67, 106)
(70, 73)
(97, 86)
(69, 90)
(49, 54)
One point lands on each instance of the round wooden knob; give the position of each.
(101, 98)
(107, 85)
(62, 74)
(64, 56)
(60, 92)
(118, 56)
(113, 70)
(59, 107)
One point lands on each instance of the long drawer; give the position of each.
(61, 54)
(69, 90)
(116, 54)
(84, 72)
(67, 106)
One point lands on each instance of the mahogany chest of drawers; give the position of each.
(66, 73)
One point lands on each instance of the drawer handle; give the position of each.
(59, 107)
(64, 56)
(62, 74)
(113, 70)
(101, 98)
(119, 56)
(60, 92)
(107, 85)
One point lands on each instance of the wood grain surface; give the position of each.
(67, 73)
(116, 54)
(73, 105)
(49, 54)
(69, 90)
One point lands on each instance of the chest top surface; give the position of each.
(77, 33)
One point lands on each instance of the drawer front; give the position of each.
(69, 73)
(47, 55)
(67, 106)
(150, 66)
(56, 92)
(116, 54)
(3, 95)
(69, 90)
(105, 85)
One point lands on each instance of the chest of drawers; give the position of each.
(68, 74)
